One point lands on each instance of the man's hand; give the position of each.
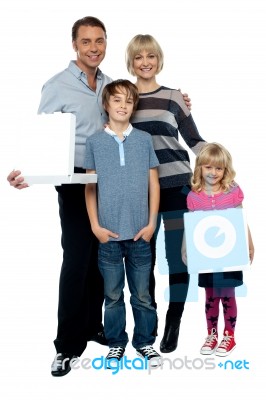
(187, 100)
(16, 180)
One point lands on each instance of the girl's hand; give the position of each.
(251, 253)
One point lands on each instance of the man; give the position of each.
(77, 90)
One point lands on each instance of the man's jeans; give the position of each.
(134, 258)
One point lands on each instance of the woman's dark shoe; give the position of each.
(170, 337)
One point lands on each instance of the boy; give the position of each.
(123, 213)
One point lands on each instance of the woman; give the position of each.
(163, 113)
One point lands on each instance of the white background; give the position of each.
(214, 50)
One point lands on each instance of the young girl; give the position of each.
(214, 188)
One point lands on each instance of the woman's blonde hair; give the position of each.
(140, 43)
(217, 155)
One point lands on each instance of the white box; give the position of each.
(47, 149)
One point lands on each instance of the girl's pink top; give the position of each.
(220, 201)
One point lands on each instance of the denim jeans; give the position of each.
(133, 258)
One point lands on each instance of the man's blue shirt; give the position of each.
(68, 92)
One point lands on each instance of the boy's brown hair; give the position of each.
(120, 85)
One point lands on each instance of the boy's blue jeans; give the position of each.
(134, 258)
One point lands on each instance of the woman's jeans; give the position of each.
(133, 258)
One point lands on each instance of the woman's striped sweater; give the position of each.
(163, 114)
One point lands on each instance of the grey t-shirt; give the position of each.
(123, 205)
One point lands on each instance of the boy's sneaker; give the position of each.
(148, 352)
(211, 342)
(227, 345)
(114, 356)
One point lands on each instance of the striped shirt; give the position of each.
(163, 114)
(219, 201)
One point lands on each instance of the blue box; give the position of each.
(216, 241)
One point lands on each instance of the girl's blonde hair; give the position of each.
(217, 155)
(137, 45)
